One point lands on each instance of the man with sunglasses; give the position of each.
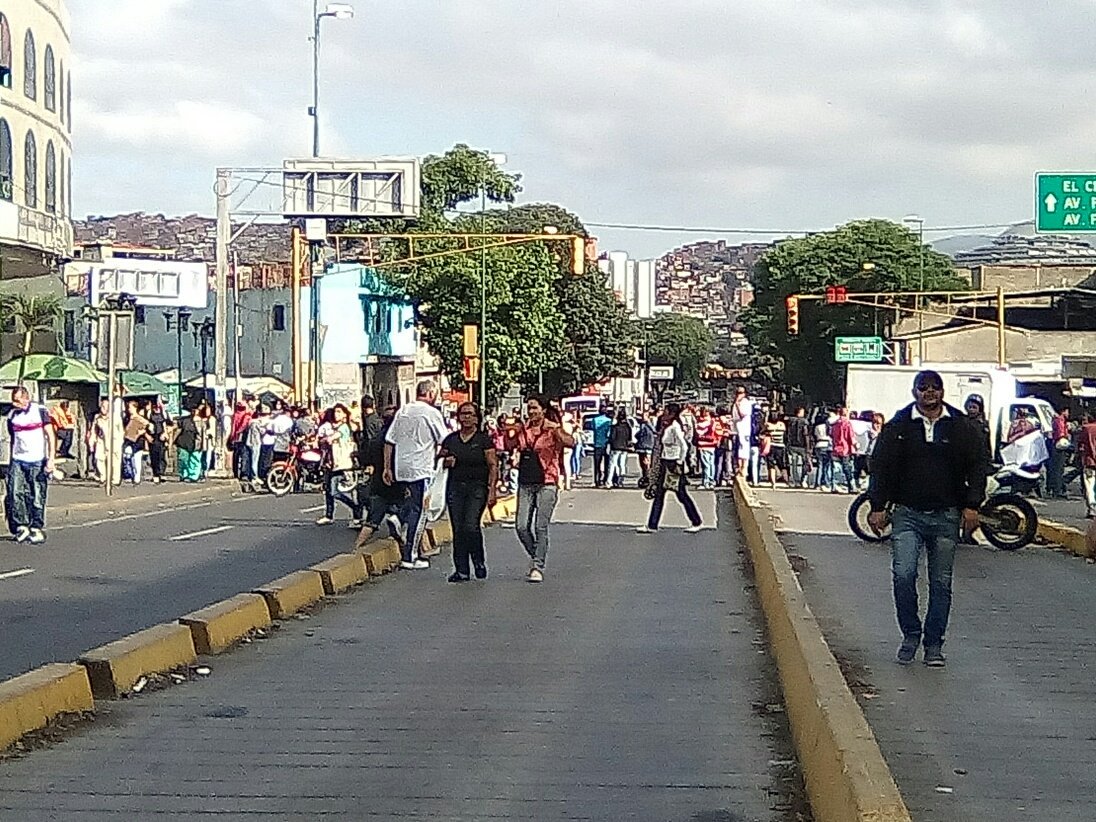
(930, 464)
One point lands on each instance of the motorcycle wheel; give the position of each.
(279, 480)
(1008, 521)
(858, 520)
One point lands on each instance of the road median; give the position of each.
(847, 778)
(1068, 537)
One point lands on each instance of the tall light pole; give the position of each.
(497, 160)
(913, 219)
(340, 11)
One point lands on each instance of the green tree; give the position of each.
(681, 341)
(865, 255)
(32, 313)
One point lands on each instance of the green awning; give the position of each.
(52, 368)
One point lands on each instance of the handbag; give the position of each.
(530, 470)
(670, 479)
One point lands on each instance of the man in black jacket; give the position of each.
(930, 464)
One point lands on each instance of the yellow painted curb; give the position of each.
(341, 572)
(441, 532)
(1070, 538)
(114, 668)
(847, 778)
(292, 592)
(28, 702)
(219, 626)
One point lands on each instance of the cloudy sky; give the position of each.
(784, 115)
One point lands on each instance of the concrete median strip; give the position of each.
(28, 702)
(340, 572)
(1070, 538)
(219, 626)
(114, 668)
(291, 593)
(847, 778)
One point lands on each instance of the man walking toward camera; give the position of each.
(930, 465)
(33, 448)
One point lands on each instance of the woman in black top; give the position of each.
(158, 447)
(469, 454)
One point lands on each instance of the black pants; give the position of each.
(659, 502)
(601, 465)
(467, 502)
(157, 454)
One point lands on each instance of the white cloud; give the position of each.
(746, 113)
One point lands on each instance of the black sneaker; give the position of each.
(481, 572)
(457, 577)
(906, 651)
(934, 656)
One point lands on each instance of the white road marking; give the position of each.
(22, 572)
(312, 510)
(157, 513)
(204, 533)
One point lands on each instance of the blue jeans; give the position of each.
(414, 517)
(848, 473)
(25, 500)
(332, 493)
(466, 502)
(823, 473)
(936, 532)
(707, 467)
(601, 465)
(618, 464)
(797, 466)
(682, 494)
(535, 506)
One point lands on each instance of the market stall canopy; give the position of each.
(138, 383)
(52, 368)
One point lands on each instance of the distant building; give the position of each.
(708, 280)
(632, 281)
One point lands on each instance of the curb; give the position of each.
(340, 572)
(846, 776)
(219, 626)
(1070, 538)
(291, 593)
(29, 701)
(114, 668)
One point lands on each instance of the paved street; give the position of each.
(1006, 730)
(627, 686)
(111, 569)
(1068, 512)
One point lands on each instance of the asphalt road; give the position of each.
(632, 684)
(1007, 730)
(106, 571)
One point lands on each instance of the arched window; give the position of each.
(61, 182)
(5, 52)
(50, 80)
(30, 171)
(51, 178)
(61, 89)
(6, 183)
(30, 67)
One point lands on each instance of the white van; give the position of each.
(888, 388)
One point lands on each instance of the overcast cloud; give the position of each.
(781, 114)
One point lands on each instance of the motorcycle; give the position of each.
(302, 467)
(1006, 519)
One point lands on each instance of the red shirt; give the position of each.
(844, 443)
(1087, 442)
(548, 447)
(706, 434)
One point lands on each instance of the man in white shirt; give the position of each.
(33, 447)
(410, 456)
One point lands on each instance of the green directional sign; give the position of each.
(1065, 203)
(858, 349)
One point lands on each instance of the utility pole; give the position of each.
(220, 313)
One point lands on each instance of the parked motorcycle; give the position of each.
(302, 468)
(1006, 519)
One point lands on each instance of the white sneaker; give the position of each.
(22, 534)
(693, 529)
(536, 575)
(643, 529)
(36, 536)
(355, 524)
(417, 565)
(324, 521)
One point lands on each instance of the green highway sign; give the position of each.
(1065, 202)
(858, 349)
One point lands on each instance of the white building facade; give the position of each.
(35, 137)
(633, 282)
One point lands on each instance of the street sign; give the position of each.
(660, 373)
(858, 349)
(1065, 203)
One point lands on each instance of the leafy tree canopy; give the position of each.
(681, 341)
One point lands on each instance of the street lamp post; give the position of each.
(339, 11)
(204, 335)
(497, 160)
(912, 219)
(182, 323)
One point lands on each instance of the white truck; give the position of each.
(888, 388)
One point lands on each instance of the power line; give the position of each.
(680, 229)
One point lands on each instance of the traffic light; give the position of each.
(578, 255)
(792, 304)
(836, 294)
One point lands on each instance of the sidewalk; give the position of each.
(631, 684)
(1005, 731)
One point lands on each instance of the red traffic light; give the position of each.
(792, 305)
(836, 294)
